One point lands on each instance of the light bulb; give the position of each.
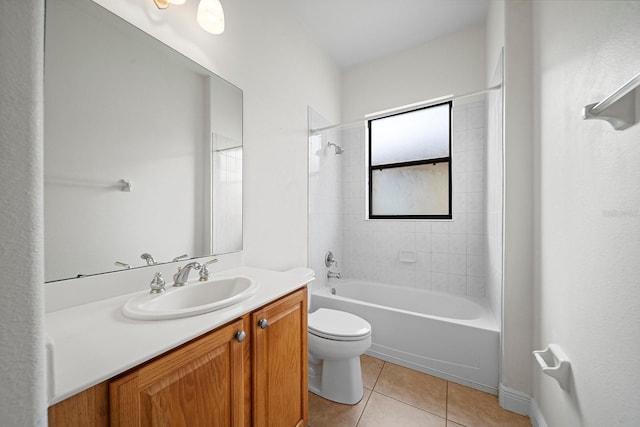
(176, 1)
(211, 16)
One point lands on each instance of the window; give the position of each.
(410, 164)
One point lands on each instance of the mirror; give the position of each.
(143, 148)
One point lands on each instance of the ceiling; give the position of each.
(357, 31)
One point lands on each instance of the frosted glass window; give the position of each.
(416, 135)
(410, 164)
(411, 190)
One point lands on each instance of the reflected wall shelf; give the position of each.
(621, 109)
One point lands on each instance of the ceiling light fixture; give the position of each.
(210, 15)
(163, 4)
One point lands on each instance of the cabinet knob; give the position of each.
(263, 323)
(240, 336)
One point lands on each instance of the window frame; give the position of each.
(433, 161)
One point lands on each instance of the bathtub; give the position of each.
(452, 337)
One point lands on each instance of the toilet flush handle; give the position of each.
(263, 323)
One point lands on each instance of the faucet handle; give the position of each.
(178, 258)
(148, 258)
(157, 284)
(204, 271)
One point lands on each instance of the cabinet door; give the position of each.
(199, 384)
(279, 344)
(87, 408)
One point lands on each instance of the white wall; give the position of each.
(22, 361)
(587, 178)
(453, 64)
(518, 210)
(266, 53)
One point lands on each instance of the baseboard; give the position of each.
(537, 420)
(514, 400)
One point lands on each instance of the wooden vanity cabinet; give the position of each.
(279, 349)
(218, 379)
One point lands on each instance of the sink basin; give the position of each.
(191, 299)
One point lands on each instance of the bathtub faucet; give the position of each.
(332, 275)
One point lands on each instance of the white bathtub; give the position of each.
(452, 337)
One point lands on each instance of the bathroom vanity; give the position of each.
(248, 369)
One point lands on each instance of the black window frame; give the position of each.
(411, 163)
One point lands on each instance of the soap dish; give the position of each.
(554, 363)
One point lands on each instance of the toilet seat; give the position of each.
(337, 325)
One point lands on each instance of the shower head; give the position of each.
(339, 150)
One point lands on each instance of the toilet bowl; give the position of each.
(336, 341)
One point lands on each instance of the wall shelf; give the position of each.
(621, 109)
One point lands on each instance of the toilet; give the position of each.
(336, 340)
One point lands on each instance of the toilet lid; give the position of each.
(337, 325)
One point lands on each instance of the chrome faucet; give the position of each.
(204, 271)
(332, 275)
(181, 277)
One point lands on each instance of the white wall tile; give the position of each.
(475, 202)
(440, 263)
(475, 244)
(423, 279)
(457, 284)
(423, 242)
(459, 224)
(457, 264)
(423, 261)
(475, 286)
(458, 244)
(475, 265)
(475, 223)
(440, 243)
(439, 282)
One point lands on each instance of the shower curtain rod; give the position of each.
(406, 107)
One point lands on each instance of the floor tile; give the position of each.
(383, 411)
(473, 408)
(325, 413)
(452, 424)
(371, 368)
(415, 388)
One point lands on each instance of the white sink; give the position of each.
(191, 299)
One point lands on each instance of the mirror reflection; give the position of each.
(143, 148)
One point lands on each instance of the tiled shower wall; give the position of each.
(449, 255)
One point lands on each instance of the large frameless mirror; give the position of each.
(143, 148)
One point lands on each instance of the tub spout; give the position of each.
(332, 275)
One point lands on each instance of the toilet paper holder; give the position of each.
(554, 363)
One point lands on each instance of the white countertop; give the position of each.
(93, 342)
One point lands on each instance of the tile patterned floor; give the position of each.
(395, 396)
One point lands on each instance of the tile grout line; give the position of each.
(363, 409)
(413, 406)
(407, 403)
(446, 403)
(370, 394)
